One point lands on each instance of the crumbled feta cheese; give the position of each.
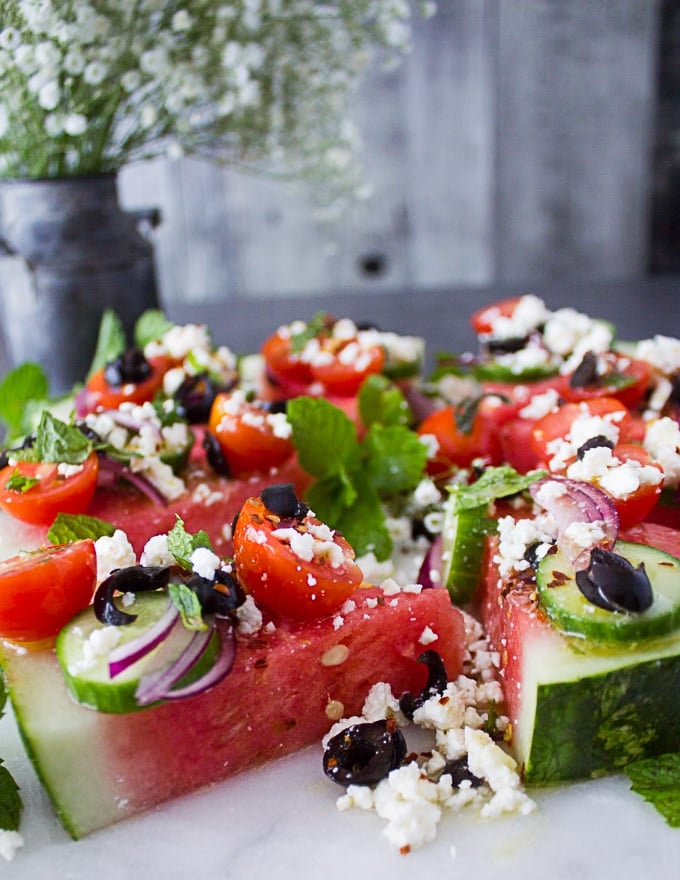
(156, 552)
(662, 441)
(204, 562)
(113, 552)
(68, 470)
(98, 644)
(249, 617)
(10, 842)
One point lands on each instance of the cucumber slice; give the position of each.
(493, 371)
(463, 549)
(90, 683)
(570, 611)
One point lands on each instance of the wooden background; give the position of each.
(515, 144)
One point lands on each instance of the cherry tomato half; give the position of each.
(295, 568)
(483, 319)
(457, 447)
(52, 493)
(634, 508)
(556, 425)
(99, 394)
(627, 380)
(251, 438)
(40, 592)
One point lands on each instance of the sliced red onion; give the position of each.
(125, 420)
(125, 655)
(110, 471)
(420, 404)
(431, 563)
(84, 402)
(160, 685)
(577, 501)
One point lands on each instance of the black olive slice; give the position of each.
(281, 500)
(220, 596)
(214, 455)
(437, 680)
(613, 583)
(586, 373)
(593, 443)
(459, 772)
(365, 753)
(133, 579)
(510, 345)
(130, 367)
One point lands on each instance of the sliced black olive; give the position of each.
(531, 554)
(365, 753)
(87, 431)
(219, 596)
(6, 454)
(613, 583)
(675, 388)
(593, 443)
(216, 458)
(133, 579)
(129, 367)
(195, 397)
(586, 373)
(506, 346)
(437, 680)
(282, 500)
(274, 406)
(459, 772)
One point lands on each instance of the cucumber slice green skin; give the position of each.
(571, 612)
(492, 371)
(93, 687)
(463, 551)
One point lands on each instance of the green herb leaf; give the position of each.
(20, 390)
(331, 496)
(69, 527)
(319, 322)
(150, 326)
(10, 801)
(325, 438)
(187, 603)
(364, 523)
(55, 441)
(19, 483)
(495, 482)
(657, 780)
(382, 402)
(395, 458)
(111, 341)
(182, 543)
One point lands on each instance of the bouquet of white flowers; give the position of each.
(91, 85)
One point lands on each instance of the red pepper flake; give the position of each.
(405, 850)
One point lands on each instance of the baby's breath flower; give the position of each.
(267, 85)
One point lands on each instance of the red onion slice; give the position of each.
(432, 563)
(125, 655)
(159, 685)
(110, 471)
(574, 501)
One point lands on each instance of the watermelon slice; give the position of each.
(287, 684)
(577, 711)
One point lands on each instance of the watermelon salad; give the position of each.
(462, 584)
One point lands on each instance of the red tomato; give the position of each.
(515, 440)
(279, 578)
(457, 448)
(557, 425)
(339, 368)
(51, 494)
(99, 394)
(40, 592)
(246, 435)
(628, 382)
(483, 319)
(636, 506)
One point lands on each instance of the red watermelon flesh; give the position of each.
(101, 768)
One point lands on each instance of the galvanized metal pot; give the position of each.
(67, 253)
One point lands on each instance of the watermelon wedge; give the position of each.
(577, 710)
(287, 685)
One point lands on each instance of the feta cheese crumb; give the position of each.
(112, 553)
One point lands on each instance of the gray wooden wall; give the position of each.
(513, 145)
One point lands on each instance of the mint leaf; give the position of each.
(10, 801)
(382, 402)
(55, 441)
(187, 603)
(319, 322)
(69, 527)
(323, 435)
(657, 780)
(21, 388)
(19, 483)
(331, 496)
(495, 482)
(182, 543)
(150, 326)
(111, 341)
(363, 525)
(395, 458)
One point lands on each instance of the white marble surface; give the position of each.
(281, 822)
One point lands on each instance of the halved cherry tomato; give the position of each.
(248, 435)
(557, 424)
(295, 568)
(456, 447)
(51, 493)
(635, 507)
(100, 394)
(339, 366)
(483, 319)
(628, 381)
(40, 592)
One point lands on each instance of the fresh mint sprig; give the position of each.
(657, 780)
(353, 475)
(182, 543)
(24, 390)
(10, 799)
(56, 441)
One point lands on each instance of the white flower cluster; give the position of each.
(90, 85)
